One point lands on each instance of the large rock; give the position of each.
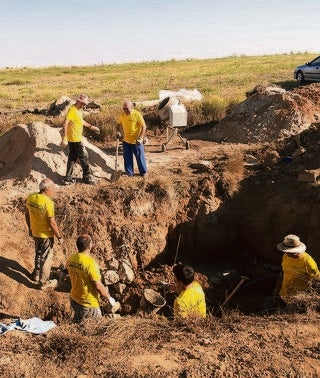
(119, 287)
(33, 152)
(113, 264)
(111, 277)
(126, 272)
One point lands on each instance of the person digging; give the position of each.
(191, 302)
(40, 218)
(86, 285)
(132, 128)
(298, 268)
(72, 136)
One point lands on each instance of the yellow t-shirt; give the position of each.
(84, 271)
(191, 302)
(297, 274)
(131, 125)
(75, 128)
(41, 209)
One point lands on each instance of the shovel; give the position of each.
(116, 174)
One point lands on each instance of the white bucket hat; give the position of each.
(83, 98)
(292, 244)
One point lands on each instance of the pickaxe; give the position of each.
(227, 300)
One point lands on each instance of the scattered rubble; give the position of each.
(58, 108)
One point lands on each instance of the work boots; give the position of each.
(89, 179)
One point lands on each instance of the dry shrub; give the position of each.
(106, 347)
(161, 189)
(307, 302)
(210, 110)
(232, 174)
(106, 120)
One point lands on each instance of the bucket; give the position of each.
(163, 107)
(151, 301)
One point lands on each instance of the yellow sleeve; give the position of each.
(94, 272)
(119, 120)
(50, 209)
(312, 268)
(180, 309)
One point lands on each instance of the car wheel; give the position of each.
(300, 77)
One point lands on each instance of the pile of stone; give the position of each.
(118, 274)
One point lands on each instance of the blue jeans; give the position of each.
(138, 151)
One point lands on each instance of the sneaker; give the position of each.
(50, 284)
(69, 180)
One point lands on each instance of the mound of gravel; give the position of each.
(269, 113)
(33, 152)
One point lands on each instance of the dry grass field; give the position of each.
(223, 83)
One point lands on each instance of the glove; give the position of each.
(64, 142)
(112, 301)
(118, 135)
(139, 141)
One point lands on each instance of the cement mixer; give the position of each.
(174, 115)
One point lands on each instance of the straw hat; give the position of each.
(83, 98)
(292, 244)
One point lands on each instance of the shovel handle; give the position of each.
(234, 291)
(117, 153)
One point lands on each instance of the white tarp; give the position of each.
(183, 94)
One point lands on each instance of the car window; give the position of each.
(316, 62)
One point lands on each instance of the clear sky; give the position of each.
(78, 32)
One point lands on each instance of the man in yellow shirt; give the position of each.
(132, 129)
(86, 285)
(298, 268)
(72, 135)
(42, 227)
(191, 302)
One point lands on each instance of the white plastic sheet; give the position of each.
(183, 94)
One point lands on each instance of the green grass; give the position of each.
(223, 82)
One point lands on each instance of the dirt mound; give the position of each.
(33, 152)
(268, 113)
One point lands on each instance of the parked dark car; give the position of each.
(308, 72)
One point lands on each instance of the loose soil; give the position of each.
(230, 215)
(268, 113)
